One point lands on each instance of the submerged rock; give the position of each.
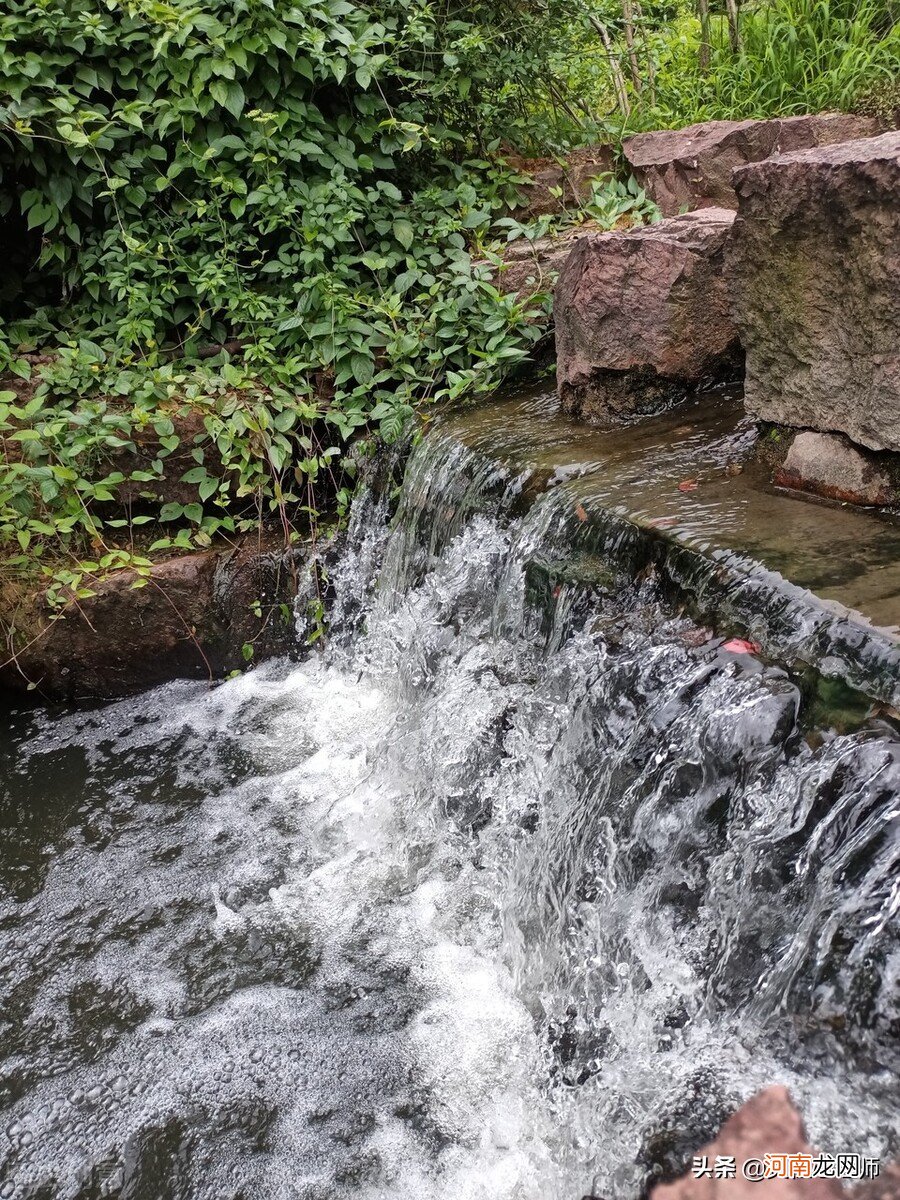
(829, 465)
(643, 315)
(814, 271)
(691, 168)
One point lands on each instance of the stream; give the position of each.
(496, 897)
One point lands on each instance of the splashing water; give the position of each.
(493, 897)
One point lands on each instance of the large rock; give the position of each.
(767, 1124)
(827, 464)
(642, 316)
(683, 169)
(814, 272)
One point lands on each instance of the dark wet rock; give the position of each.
(191, 619)
(254, 587)
(830, 465)
(759, 726)
(578, 1047)
(693, 1116)
(767, 1124)
(574, 582)
(559, 185)
(813, 266)
(695, 636)
(643, 316)
(683, 169)
(862, 1000)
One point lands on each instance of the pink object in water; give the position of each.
(739, 646)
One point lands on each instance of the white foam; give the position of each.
(418, 918)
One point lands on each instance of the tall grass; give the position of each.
(796, 56)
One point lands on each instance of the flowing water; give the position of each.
(507, 890)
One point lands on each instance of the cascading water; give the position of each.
(507, 890)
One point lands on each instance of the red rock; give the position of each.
(683, 169)
(642, 316)
(767, 1124)
(531, 266)
(121, 639)
(190, 620)
(740, 646)
(813, 267)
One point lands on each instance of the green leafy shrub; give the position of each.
(612, 204)
(269, 214)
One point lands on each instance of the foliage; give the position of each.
(627, 65)
(612, 204)
(881, 99)
(280, 181)
(795, 56)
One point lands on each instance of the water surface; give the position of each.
(488, 899)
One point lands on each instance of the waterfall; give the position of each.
(520, 883)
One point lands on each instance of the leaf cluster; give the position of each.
(274, 215)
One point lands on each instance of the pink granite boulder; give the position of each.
(813, 267)
(642, 316)
(684, 169)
